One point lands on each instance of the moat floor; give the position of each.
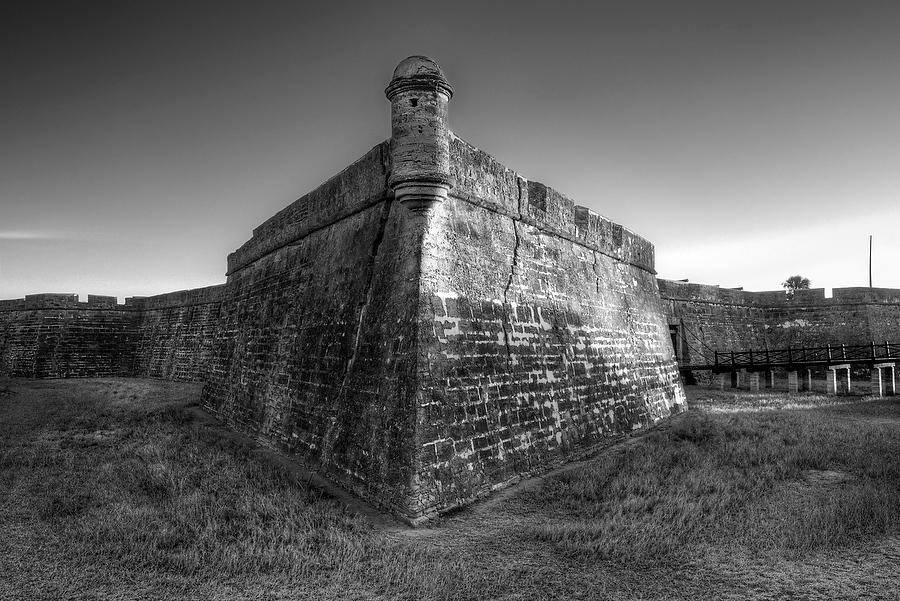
(115, 489)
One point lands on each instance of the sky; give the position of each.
(141, 142)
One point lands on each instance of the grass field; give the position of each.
(109, 489)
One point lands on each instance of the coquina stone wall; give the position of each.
(176, 333)
(316, 348)
(56, 336)
(712, 319)
(542, 333)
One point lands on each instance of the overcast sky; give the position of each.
(141, 142)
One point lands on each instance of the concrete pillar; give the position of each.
(877, 384)
(807, 380)
(792, 382)
(754, 381)
(883, 382)
(832, 385)
(721, 379)
(735, 379)
(770, 378)
(831, 381)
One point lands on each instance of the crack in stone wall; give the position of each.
(367, 291)
(507, 322)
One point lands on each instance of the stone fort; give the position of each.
(429, 325)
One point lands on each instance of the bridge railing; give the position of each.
(822, 355)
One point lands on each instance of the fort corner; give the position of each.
(425, 327)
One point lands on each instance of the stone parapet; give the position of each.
(356, 188)
(483, 181)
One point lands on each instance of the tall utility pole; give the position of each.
(870, 260)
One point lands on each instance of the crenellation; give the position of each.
(612, 239)
(50, 300)
(865, 295)
(550, 209)
(690, 292)
(55, 335)
(12, 304)
(480, 178)
(96, 300)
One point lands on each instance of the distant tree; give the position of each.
(794, 283)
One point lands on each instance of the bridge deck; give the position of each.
(802, 357)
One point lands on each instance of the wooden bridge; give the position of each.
(798, 358)
(881, 358)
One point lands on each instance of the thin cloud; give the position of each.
(33, 235)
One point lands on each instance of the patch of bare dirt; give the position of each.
(826, 478)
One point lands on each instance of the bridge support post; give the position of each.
(721, 378)
(770, 378)
(807, 380)
(877, 384)
(832, 384)
(754, 381)
(793, 386)
(881, 385)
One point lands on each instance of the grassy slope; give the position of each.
(108, 490)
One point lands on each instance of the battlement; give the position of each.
(690, 292)
(478, 178)
(866, 295)
(180, 298)
(481, 179)
(59, 301)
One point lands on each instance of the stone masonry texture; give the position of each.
(55, 336)
(541, 333)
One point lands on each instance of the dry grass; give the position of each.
(109, 490)
(715, 481)
(114, 474)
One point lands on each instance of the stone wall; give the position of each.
(55, 336)
(712, 319)
(176, 333)
(543, 333)
(316, 348)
